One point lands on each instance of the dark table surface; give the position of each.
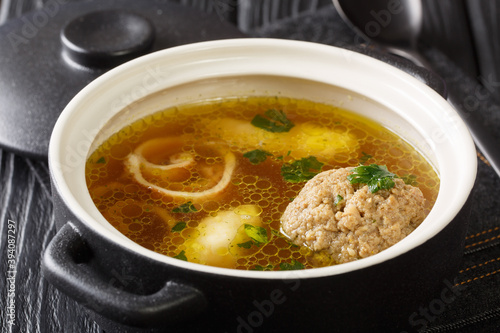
(27, 223)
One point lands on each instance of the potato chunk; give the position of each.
(216, 239)
(306, 139)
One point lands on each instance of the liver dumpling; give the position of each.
(349, 221)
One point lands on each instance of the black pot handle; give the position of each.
(64, 266)
(424, 75)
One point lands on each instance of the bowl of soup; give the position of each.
(258, 185)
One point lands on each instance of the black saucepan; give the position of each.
(128, 287)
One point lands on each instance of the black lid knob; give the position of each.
(106, 38)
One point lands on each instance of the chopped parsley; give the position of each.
(274, 121)
(364, 158)
(181, 256)
(282, 157)
(102, 160)
(294, 265)
(246, 245)
(410, 180)
(257, 156)
(179, 227)
(377, 177)
(338, 199)
(301, 170)
(262, 268)
(188, 207)
(257, 234)
(277, 234)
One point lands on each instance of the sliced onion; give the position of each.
(136, 159)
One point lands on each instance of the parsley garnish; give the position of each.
(282, 157)
(246, 245)
(188, 207)
(294, 265)
(261, 268)
(257, 156)
(364, 158)
(410, 180)
(377, 177)
(277, 234)
(338, 199)
(301, 170)
(276, 121)
(179, 227)
(257, 234)
(102, 160)
(181, 256)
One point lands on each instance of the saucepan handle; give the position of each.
(425, 75)
(64, 265)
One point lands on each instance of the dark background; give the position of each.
(461, 38)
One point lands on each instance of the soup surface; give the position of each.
(208, 182)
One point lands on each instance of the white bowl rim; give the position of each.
(466, 173)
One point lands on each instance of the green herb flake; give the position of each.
(278, 234)
(274, 121)
(377, 177)
(338, 199)
(257, 234)
(261, 268)
(294, 265)
(301, 170)
(246, 245)
(364, 158)
(410, 180)
(186, 208)
(102, 160)
(181, 256)
(179, 227)
(257, 156)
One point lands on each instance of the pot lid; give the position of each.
(48, 56)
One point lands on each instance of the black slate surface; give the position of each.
(470, 303)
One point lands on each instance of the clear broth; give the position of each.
(150, 218)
